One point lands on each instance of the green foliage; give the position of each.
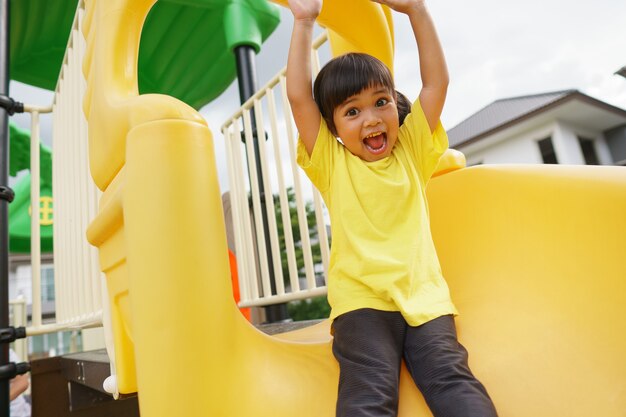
(307, 309)
(313, 308)
(297, 238)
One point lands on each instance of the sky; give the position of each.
(494, 49)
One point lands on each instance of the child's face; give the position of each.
(367, 123)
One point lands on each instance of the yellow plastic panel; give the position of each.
(121, 314)
(107, 233)
(111, 104)
(534, 256)
(112, 107)
(451, 160)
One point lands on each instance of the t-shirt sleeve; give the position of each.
(318, 166)
(425, 147)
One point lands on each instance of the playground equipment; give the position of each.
(42, 55)
(533, 256)
(169, 167)
(20, 212)
(186, 47)
(19, 217)
(145, 132)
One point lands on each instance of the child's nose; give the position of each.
(372, 118)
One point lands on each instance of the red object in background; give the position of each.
(235, 280)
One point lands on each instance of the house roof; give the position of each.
(506, 112)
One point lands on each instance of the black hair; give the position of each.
(404, 106)
(345, 76)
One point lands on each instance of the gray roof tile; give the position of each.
(501, 112)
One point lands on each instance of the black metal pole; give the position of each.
(4, 202)
(246, 75)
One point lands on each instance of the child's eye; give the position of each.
(381, 102)
(352, 112)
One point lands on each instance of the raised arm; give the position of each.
(299, 90)
(433, 68)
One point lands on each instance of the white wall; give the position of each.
(571, 134)
(20, 284)
(508, 147)
(518, 145)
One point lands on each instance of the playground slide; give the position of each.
(532, 257)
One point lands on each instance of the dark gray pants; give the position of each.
(369, 346)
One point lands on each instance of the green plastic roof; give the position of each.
(19, 153)
(186, 45)
(19, 216)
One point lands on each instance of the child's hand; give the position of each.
(402, 6)
(305, 9)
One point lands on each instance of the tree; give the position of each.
(312, 308)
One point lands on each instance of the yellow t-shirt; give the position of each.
(382, 254)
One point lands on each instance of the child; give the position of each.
(388, 296)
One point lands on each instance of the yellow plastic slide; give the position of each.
(534, 257)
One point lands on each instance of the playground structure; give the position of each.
(532, 254)
(19, 218)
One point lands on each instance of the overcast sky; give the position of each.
(494, 48)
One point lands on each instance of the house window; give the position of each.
(23, 283)
(47, 283)
(589, 151)
(547, 151)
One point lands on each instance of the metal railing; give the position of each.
(35, 239)
(18, 318)
(279, 172)
(78, 280)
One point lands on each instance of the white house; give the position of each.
(564, 127)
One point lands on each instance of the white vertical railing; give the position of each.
(78, 280)
(278, 174)
(19, 319)
(269, 203)
(283, 199)
(35, 235)
(303, 224)
(256, 204)
(243, 244)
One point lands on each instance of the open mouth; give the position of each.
(376, 143)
